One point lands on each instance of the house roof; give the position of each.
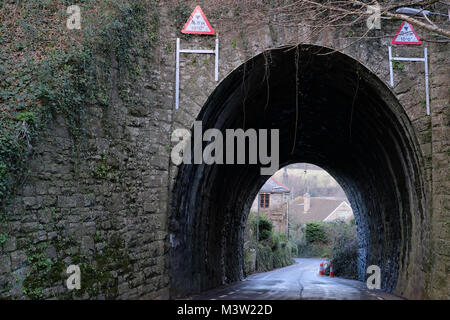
(343, 204)
(274, 186)
(320, 208)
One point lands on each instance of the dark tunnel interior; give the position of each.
(332, 112)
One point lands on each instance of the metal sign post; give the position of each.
(424, 60)
(198, 51)
(287, 218)
(257, 230)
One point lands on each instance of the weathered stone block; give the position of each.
(18, 259)
(67, 201)
(87, 244)
(5, 264)
(10, 244)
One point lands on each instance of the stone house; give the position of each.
(273, 203)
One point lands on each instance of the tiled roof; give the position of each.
(320, 208)
(274, 186)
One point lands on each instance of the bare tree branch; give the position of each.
(414, 21)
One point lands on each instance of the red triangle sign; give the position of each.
(406, 35)
(197, 23)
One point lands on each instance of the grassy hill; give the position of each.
(319, 182)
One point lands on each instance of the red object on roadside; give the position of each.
(331, 270)
(321, 269)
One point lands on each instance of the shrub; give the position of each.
(276, 241)
(272, 250)
(344, 253)
(264, 258)
(249, 260)
(265, 225)
(315, 232)
(312, 250)
(292, 248)
(283, 255)
(265, 235)
(302, 246)
(334, 240)
(265, 228)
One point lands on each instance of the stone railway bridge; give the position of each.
(172, 231)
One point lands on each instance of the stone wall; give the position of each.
(108, 207)
(100, 202)
(276, 200)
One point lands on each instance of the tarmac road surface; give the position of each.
(298, 281)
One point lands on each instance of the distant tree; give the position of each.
(314, 16)
(338, 13)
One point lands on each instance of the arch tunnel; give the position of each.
(331, 111)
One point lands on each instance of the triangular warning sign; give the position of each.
(197, 23)
(406, 35)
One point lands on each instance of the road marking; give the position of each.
(380, 298)
(223, 296)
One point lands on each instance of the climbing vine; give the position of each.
(47, 71)
(98, 270)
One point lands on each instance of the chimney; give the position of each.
(306, 202)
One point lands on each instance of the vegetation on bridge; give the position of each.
(48, 71)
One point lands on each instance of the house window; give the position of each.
(264, 200)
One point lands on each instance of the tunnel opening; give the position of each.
(301, 212)
(332, 112)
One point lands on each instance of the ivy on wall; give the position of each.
(48, 71)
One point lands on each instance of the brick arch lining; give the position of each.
(349, 123)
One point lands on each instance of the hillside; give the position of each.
(319, 182)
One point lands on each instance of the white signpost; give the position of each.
(407, 35)
(196, 24)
